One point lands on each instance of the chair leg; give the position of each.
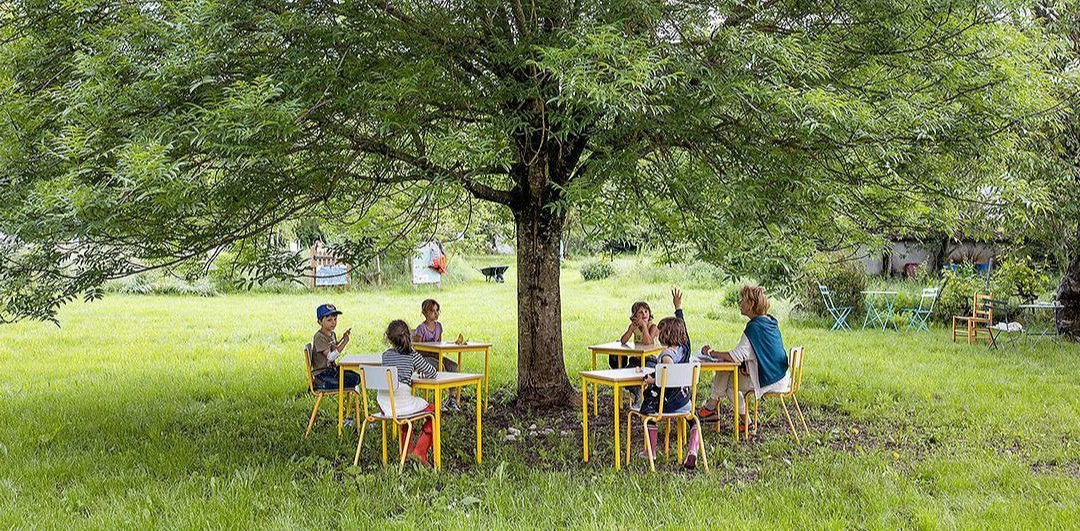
(314, 411)
(791, 425)
(701, 444)
(648, 445)
(629, 417)
(359, 443)
(667, 437)
(356, 406)
(756, 422)
(798, 411)
(680, 439)
(383, 426)
(405, 447)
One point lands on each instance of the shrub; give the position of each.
(845, 280)
(152, 283)
(596, 270)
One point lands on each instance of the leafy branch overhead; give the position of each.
(143, 134)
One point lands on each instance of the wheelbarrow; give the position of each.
(494, 273)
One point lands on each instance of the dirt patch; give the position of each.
(1053, 467)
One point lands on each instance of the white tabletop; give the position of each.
(351, 360)
(448, 377)
(444, 345)
(618, 375)
(627, 347)
(1049, 305)
(871, 292)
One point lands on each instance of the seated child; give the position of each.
(325, 348)
(760, 350)
(430, 331)
(401, 355)
(641, 329)
(673, 337)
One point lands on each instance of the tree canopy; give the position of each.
(138, 134)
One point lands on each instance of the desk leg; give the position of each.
(459, 388)
(595, 389)
(440, 361)
(617, 399)
(437, 428)
(487, 386)
(735, 401)
(584, 421)
(340, 399)
(479, 426)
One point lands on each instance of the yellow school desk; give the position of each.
(617, 379)
(626, 350)
(441, 349)
(450, 380)
(733, 368)
(351, 362)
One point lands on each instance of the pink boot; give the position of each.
(652, 443)
(691, 449)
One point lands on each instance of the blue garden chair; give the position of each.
(918, 317)
(838, 313)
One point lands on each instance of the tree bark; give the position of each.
(1068, 317)
(542, 380)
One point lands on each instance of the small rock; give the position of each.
(549, 431)
(513, 431)
(510, 437)
(532, 427)
(564, 433)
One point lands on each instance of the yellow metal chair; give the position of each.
(386, 379)
(795, 359)
(982, 314)
(320, 393)
(670, 375)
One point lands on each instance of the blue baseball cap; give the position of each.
(326, 309)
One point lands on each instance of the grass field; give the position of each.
(188, 412)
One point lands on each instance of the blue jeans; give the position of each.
(328, 380)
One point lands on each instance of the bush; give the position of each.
(596, 270)
(1017, 280)
(152, 283)
(845, 280)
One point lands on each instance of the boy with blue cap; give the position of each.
(325, 348)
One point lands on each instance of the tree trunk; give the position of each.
(542, 380)
(1068, 317)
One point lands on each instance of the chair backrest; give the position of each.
(982, 306)
(795, 363)
(826, 296)
(928, 294)
(677, 375)
(379, 378)
(307, 365)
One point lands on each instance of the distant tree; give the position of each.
(143, 134)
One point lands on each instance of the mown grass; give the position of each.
(187, 412)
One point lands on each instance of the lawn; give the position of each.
(188, 412)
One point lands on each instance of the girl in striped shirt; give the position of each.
(401, 355)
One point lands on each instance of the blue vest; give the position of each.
(764, 335)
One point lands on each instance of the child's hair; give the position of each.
(428, 305)
(672, 332)
(639, 305)
(399, 336)
(755, 297)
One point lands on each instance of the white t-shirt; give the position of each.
(744, 353)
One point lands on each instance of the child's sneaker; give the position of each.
(706, 414)
(350, 423)
(450, 404)
(691, 462)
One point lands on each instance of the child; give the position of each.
(684, 346)
(760, 350)
(673, 337)
(325, 348)
(641, 329)
(401, 355)
(430, 331)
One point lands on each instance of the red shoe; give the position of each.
(704, 413)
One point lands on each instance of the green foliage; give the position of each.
(597, 270)
(1016, 279)
(845, 279)
(154, 283)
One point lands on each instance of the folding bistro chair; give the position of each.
(982, 315)
(386, 379)
(795, 365)
(919, 317)
(1001, 308)
(838, 313)
(320, 392)
(670, 376)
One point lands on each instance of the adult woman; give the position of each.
(760, 350)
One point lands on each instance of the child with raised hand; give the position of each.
(401, 355)
(672, 335)
(326, 348)
(760, 350)
(642, 330)
(430, 331)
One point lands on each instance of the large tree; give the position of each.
(144, 134)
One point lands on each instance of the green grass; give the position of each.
(187, 412)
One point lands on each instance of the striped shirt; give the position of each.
(407, 363)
